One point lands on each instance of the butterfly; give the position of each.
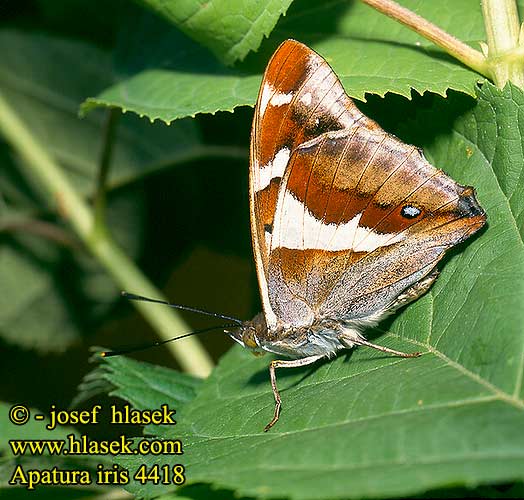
(348, 222)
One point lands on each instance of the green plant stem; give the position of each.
(112, 116)
(501, 20)
(42, 170)
(453, 46)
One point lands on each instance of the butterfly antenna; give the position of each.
(143, 347)
(132, 296)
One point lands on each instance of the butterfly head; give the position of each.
(249, 333)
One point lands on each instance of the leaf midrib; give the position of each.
(497, 393)
(373, 465)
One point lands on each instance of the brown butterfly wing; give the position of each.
(299, 98)
(333, 199)
(341, 246)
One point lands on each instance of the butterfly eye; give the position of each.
(410, 212)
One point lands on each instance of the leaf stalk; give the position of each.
(472, 58)
(99, 203)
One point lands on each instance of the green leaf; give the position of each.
(498, 115)
(143, 385)
(371, 425)
(229, 28)
(374, 54)
(370, 52)
(33, 309)
(168, 76)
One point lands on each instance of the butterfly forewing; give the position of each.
(300, 97)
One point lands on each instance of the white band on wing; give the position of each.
(273, 168)
(271, 96)
(296, 228)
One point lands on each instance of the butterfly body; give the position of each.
(324, 336)
(348, 222)
(320, 338)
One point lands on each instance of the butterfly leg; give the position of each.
(361, 341)
(414, 292)
(278, 363)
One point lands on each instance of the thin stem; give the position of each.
(40, 228)
(501, 20)
(103, 171)
(42, 169)
(453, 46)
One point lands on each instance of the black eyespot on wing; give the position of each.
(268, 228)
(410, 212)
